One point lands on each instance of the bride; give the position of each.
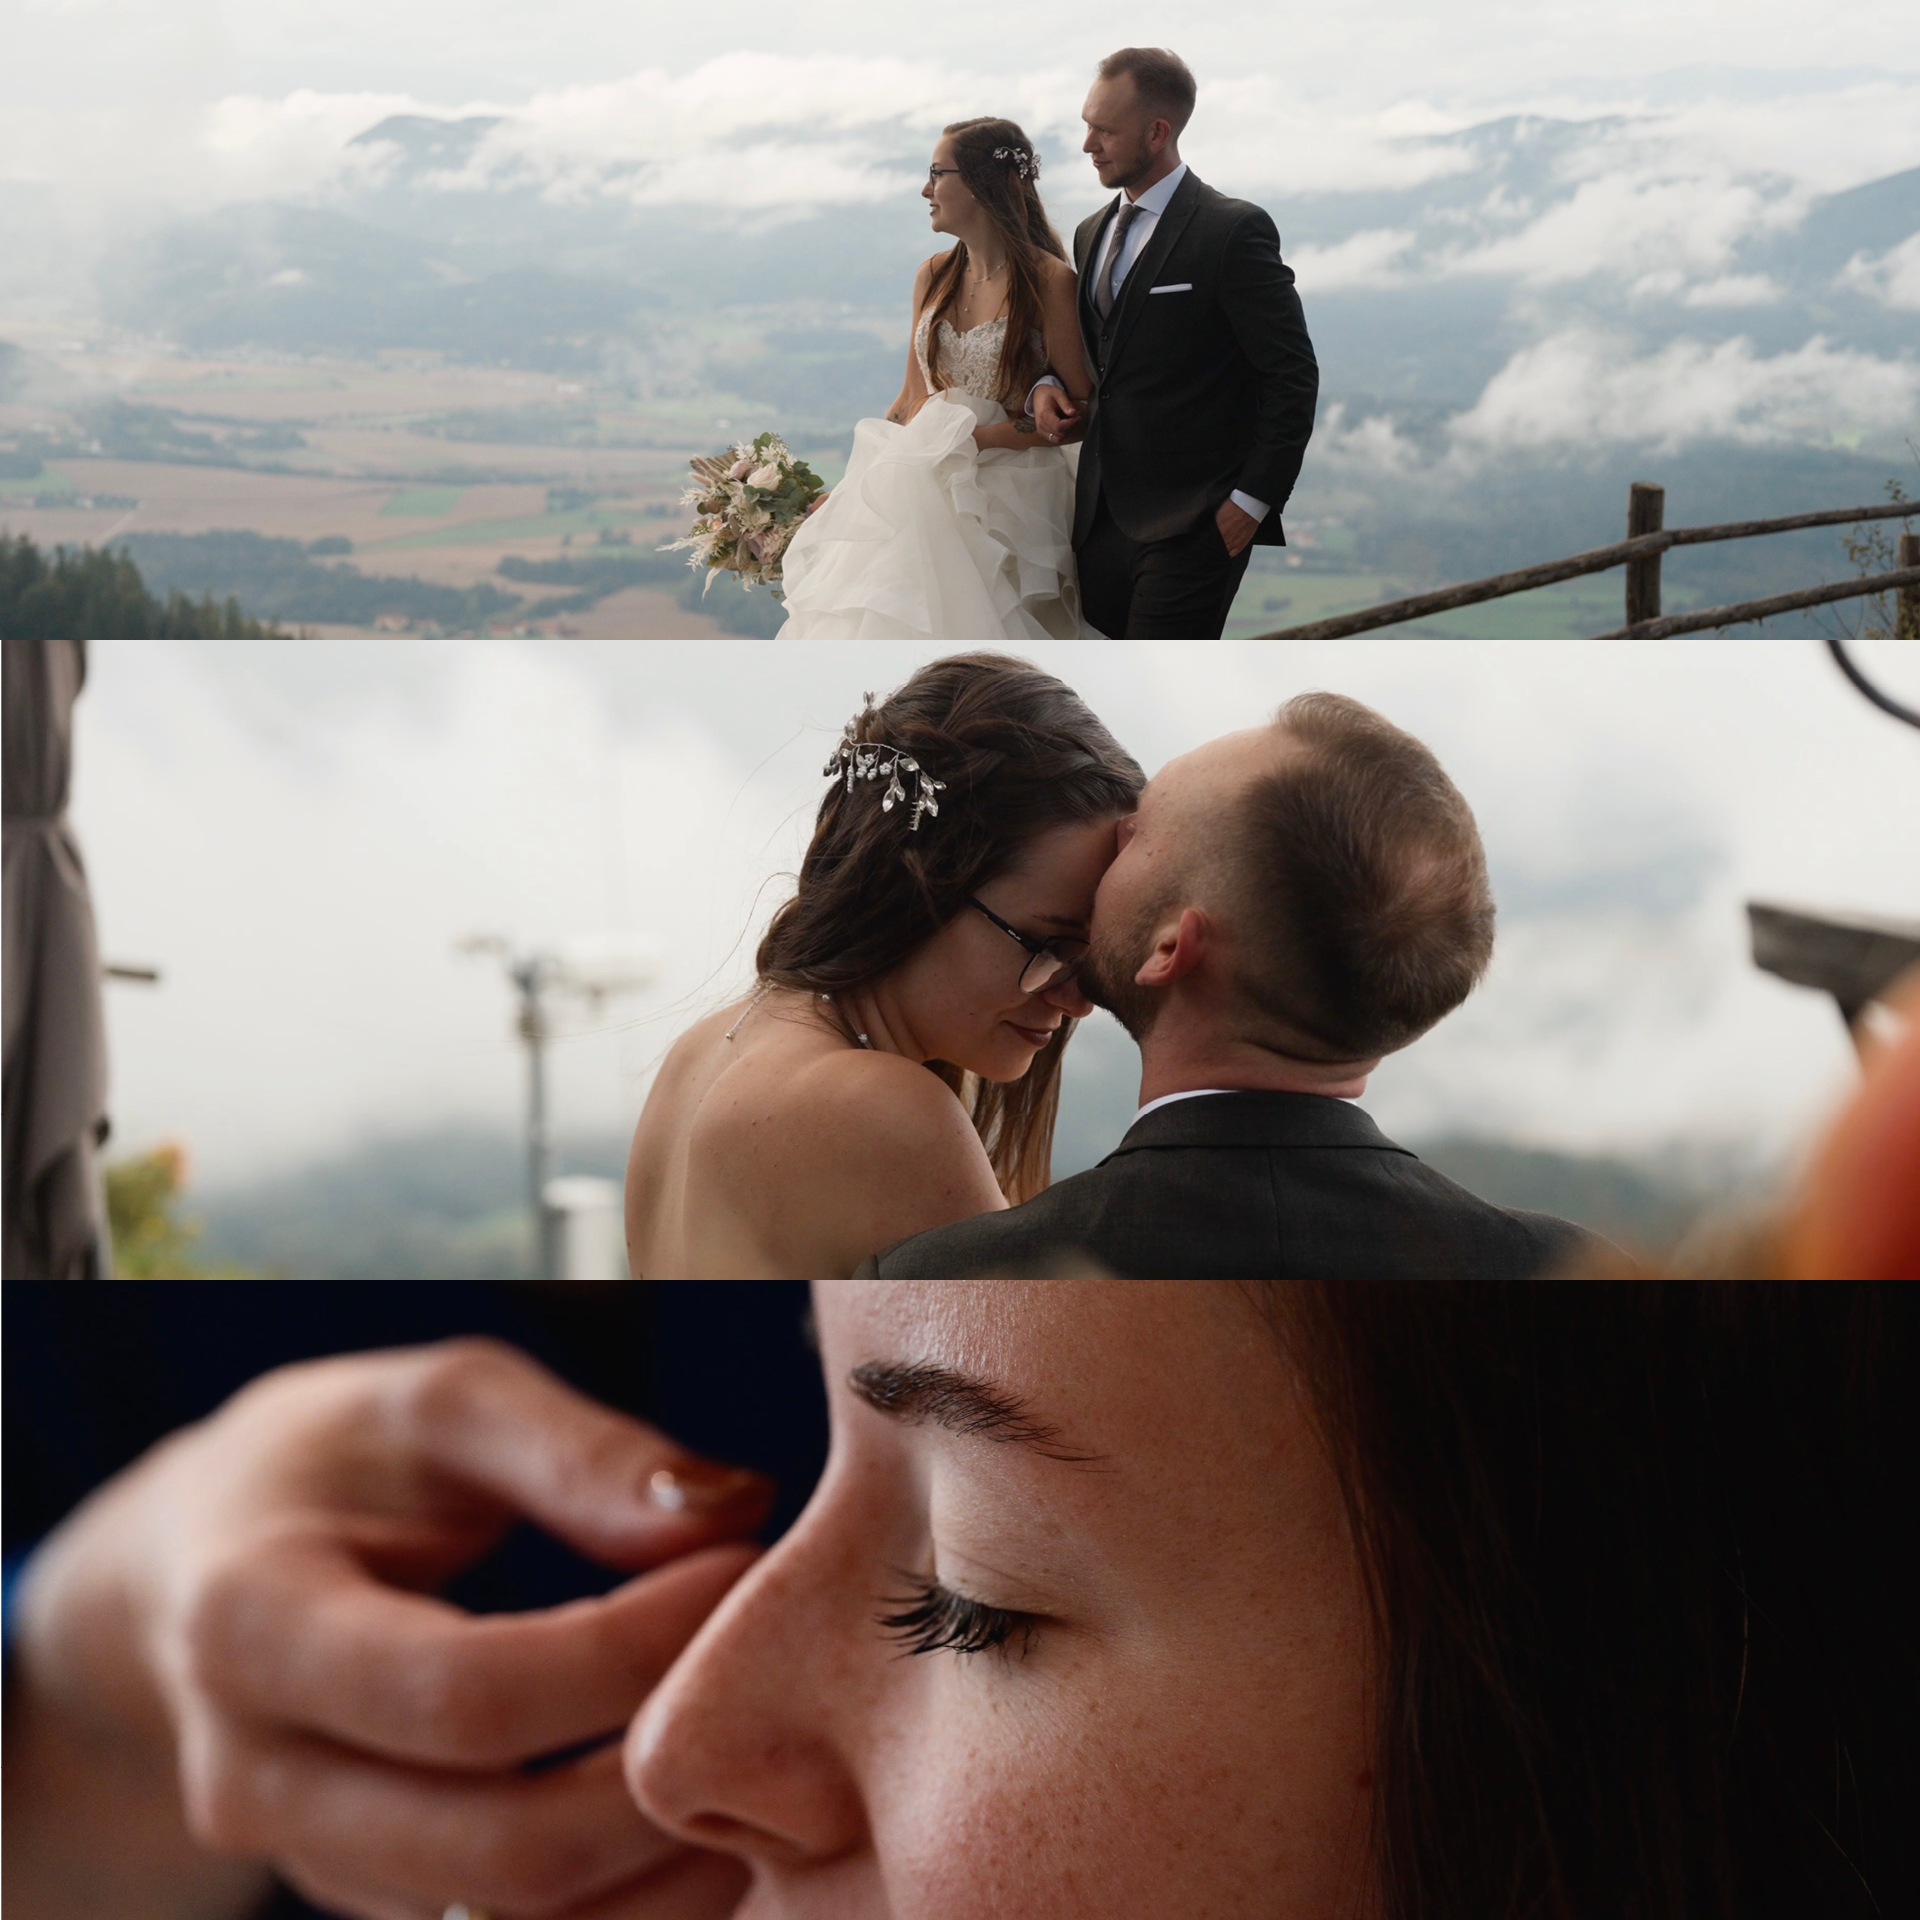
(897, 1064)
(955, 519)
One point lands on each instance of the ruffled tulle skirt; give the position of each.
(927, 538)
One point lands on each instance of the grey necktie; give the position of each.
(1103, 293)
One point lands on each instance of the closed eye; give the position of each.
(933, 1619)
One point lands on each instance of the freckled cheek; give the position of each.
(1062, 1822)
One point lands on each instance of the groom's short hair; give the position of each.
(1163, 80)
(1356, 883)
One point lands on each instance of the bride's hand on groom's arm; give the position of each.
(229, 1658)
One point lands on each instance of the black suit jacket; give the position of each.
(1248, 1186)
(1200, 392)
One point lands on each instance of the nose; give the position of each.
(736, 1748)
(1066, 994)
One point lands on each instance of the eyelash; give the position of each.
(931, 1619)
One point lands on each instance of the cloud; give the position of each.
(1370, 259)
(1580, 388)
(1735, 290)
(1892, 277)
(745, 129)
(1629, 224)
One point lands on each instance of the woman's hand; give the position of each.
(1014, 435)
(229, 1658)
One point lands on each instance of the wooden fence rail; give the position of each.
(1640, 554)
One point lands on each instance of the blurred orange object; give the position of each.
(1860, 1218)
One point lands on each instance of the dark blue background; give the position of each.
(95, 1373)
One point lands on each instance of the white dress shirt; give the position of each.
(1152, 204)
(1167, 1099)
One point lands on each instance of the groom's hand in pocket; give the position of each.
(1236, 526)
(231, 1657)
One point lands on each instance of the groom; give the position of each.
(1204, 379)
(1288, 906)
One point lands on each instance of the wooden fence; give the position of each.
(1640, 554)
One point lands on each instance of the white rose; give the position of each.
(767, 476)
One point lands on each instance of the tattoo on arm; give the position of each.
(1023, 426)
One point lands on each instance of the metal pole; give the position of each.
(528, 978)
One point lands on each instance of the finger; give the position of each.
(301, 1636)
(697, 1886)
(322, 1884)
(612, 1486)
(383, 1838)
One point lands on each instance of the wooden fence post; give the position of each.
(1906, 609)
(1646, 510)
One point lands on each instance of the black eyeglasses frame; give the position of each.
(1036, 950)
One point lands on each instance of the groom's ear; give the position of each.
(1178, 947)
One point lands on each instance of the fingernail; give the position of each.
(701, 1486)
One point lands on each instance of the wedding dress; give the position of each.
(927, 538)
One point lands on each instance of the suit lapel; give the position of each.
(1140, 276)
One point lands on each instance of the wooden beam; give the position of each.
(1742, 611)
(1792, 522)
(1393, 613)
(1646, 513)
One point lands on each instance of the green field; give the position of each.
(425, 503)
(44, 484)
(1572, 609)
(647, 531)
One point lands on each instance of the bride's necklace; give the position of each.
(759, 993)
(766, 987)
(977, 283)
(857, 1034)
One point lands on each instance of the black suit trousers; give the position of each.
(1176, 589)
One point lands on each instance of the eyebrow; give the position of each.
(1062, 920)
(917, 1392)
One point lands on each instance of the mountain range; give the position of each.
(1418, 295)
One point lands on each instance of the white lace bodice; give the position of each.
(970, 361)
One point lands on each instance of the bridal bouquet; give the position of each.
(747, 506)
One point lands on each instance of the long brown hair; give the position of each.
(1639, 1587)
(1020, 752)
(1001, 170)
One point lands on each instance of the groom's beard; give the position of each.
(1107, 978)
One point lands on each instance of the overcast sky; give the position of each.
(298, 833)
(115, 114)
(196, 98)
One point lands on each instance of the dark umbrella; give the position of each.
(56, 1041)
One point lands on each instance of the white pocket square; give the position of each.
(1184, 286)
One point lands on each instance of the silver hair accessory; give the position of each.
(1026, 163)
(876, 760)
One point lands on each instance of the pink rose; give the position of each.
(740, 469)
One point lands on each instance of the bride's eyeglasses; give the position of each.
(934, 173)
(1048, 961)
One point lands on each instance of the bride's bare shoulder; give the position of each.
(868, 1120)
